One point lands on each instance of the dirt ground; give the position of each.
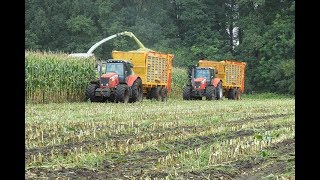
(139, 165)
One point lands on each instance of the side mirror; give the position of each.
(216, 71)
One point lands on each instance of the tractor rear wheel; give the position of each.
(238, 94)
(137, 91)
(156, 93)
(164, 94)
(122, 93)
(186, 93)
(90, 93)
(210, 93)
(232, 94)
(219, 91)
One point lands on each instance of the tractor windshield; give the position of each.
(205, 73)
(115, 67)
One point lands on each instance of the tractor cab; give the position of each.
(203, 74)
(202, 83)
(119, 68)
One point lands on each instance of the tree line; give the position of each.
(259, 32)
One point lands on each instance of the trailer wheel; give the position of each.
(156, 93)
(186, 93)
(164, 94)
(210, 93)
(237, 94)
(137, 92)
(90, 93)
(148, 95)
(232, 94)
(219, 93)
(122, 93)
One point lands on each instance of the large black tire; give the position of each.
(122, 93)
(186, 93)
(112, 98)
(90, 93)
(164, 94)
(232, 94)
(238, 94)
(148, 96)
(137, 91)
(156, 93)
(210, 93)
(219, 91)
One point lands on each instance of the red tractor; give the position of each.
(116, 83)
(202, 82)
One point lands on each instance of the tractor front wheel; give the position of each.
(112, 98)
(210, 93)
(90, 93)
(122, 93)
(186, 93)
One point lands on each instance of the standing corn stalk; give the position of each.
(55, 77)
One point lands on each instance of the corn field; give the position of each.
(153, 140)
(55, 77)
(179, 79)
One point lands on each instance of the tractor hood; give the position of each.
(199, 79)
(109, 80)
(199, 83)
(109, 75)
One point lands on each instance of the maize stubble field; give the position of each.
(225, 139)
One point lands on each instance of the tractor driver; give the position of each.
(111, 68)
(199, 74)
(119, 69)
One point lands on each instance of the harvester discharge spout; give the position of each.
(96, 45)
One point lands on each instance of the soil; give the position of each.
(141, 164)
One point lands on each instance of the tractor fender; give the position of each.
(130, 79)
(215, 81)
